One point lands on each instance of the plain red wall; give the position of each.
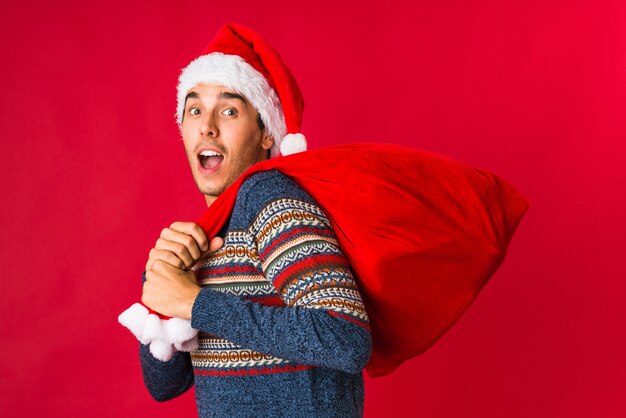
(93, 168)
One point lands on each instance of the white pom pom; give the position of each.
(178, 330)
(134, 318)
(190, 345)
(292, 144)
(153, 329)
(165, 336)
(162, 350)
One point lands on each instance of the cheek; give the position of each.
(244, 140)
(185, 132)
(189, 150)
(188, 126)
(187, 138)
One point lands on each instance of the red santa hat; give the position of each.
(239, 59)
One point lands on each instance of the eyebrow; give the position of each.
(228, 95)
(191, 95)
(223, 95)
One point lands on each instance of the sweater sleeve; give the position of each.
(323, 322)
(165, 380)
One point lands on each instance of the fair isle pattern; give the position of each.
(216, 355)
(324, 333)
(253, 371)
(295, 251)
(282, 214)
(338, 299)
(300, 255)
(232, 270)
(287, 256)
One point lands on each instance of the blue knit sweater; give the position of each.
(283, 330)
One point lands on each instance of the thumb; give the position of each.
(215, 244)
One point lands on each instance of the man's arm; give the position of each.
(165, 380)
(179, 245)
(299, 334)
(324, 322)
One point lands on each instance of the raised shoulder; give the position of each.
(260, 190)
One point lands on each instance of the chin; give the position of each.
(211, 189)
(215, 184)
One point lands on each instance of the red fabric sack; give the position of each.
(423, 234)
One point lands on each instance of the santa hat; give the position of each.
(239, 59)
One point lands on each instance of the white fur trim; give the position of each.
(292, 144)
(190, 345)
(152, 329)
(233, 72)
(134, 318)
(162, 350)
(178, 330)
(165, 336)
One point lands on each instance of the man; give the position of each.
(282, 326)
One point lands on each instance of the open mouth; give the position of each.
(210, 160)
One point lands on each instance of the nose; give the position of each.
(208, 127)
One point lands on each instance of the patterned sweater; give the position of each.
(283, 330)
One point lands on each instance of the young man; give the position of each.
(282, 327)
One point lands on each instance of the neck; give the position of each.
(210, 199)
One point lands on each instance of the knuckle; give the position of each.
(173, 260)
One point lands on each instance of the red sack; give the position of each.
(423, 234)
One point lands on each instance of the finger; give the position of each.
(177, 248)
(187, 240)
(149, 277)
(194, 230)
(146, 295)
(215, 244)
(166, 256)
(162, 269)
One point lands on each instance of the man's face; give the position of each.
(222, 137)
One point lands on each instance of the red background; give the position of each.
(93, 169)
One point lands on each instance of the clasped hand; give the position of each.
(171, 287)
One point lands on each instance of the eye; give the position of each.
(194, 111)
(229, 112)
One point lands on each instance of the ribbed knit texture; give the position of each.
(283, 330)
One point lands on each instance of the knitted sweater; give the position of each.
(282, 327)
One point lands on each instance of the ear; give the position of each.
(267, 142)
